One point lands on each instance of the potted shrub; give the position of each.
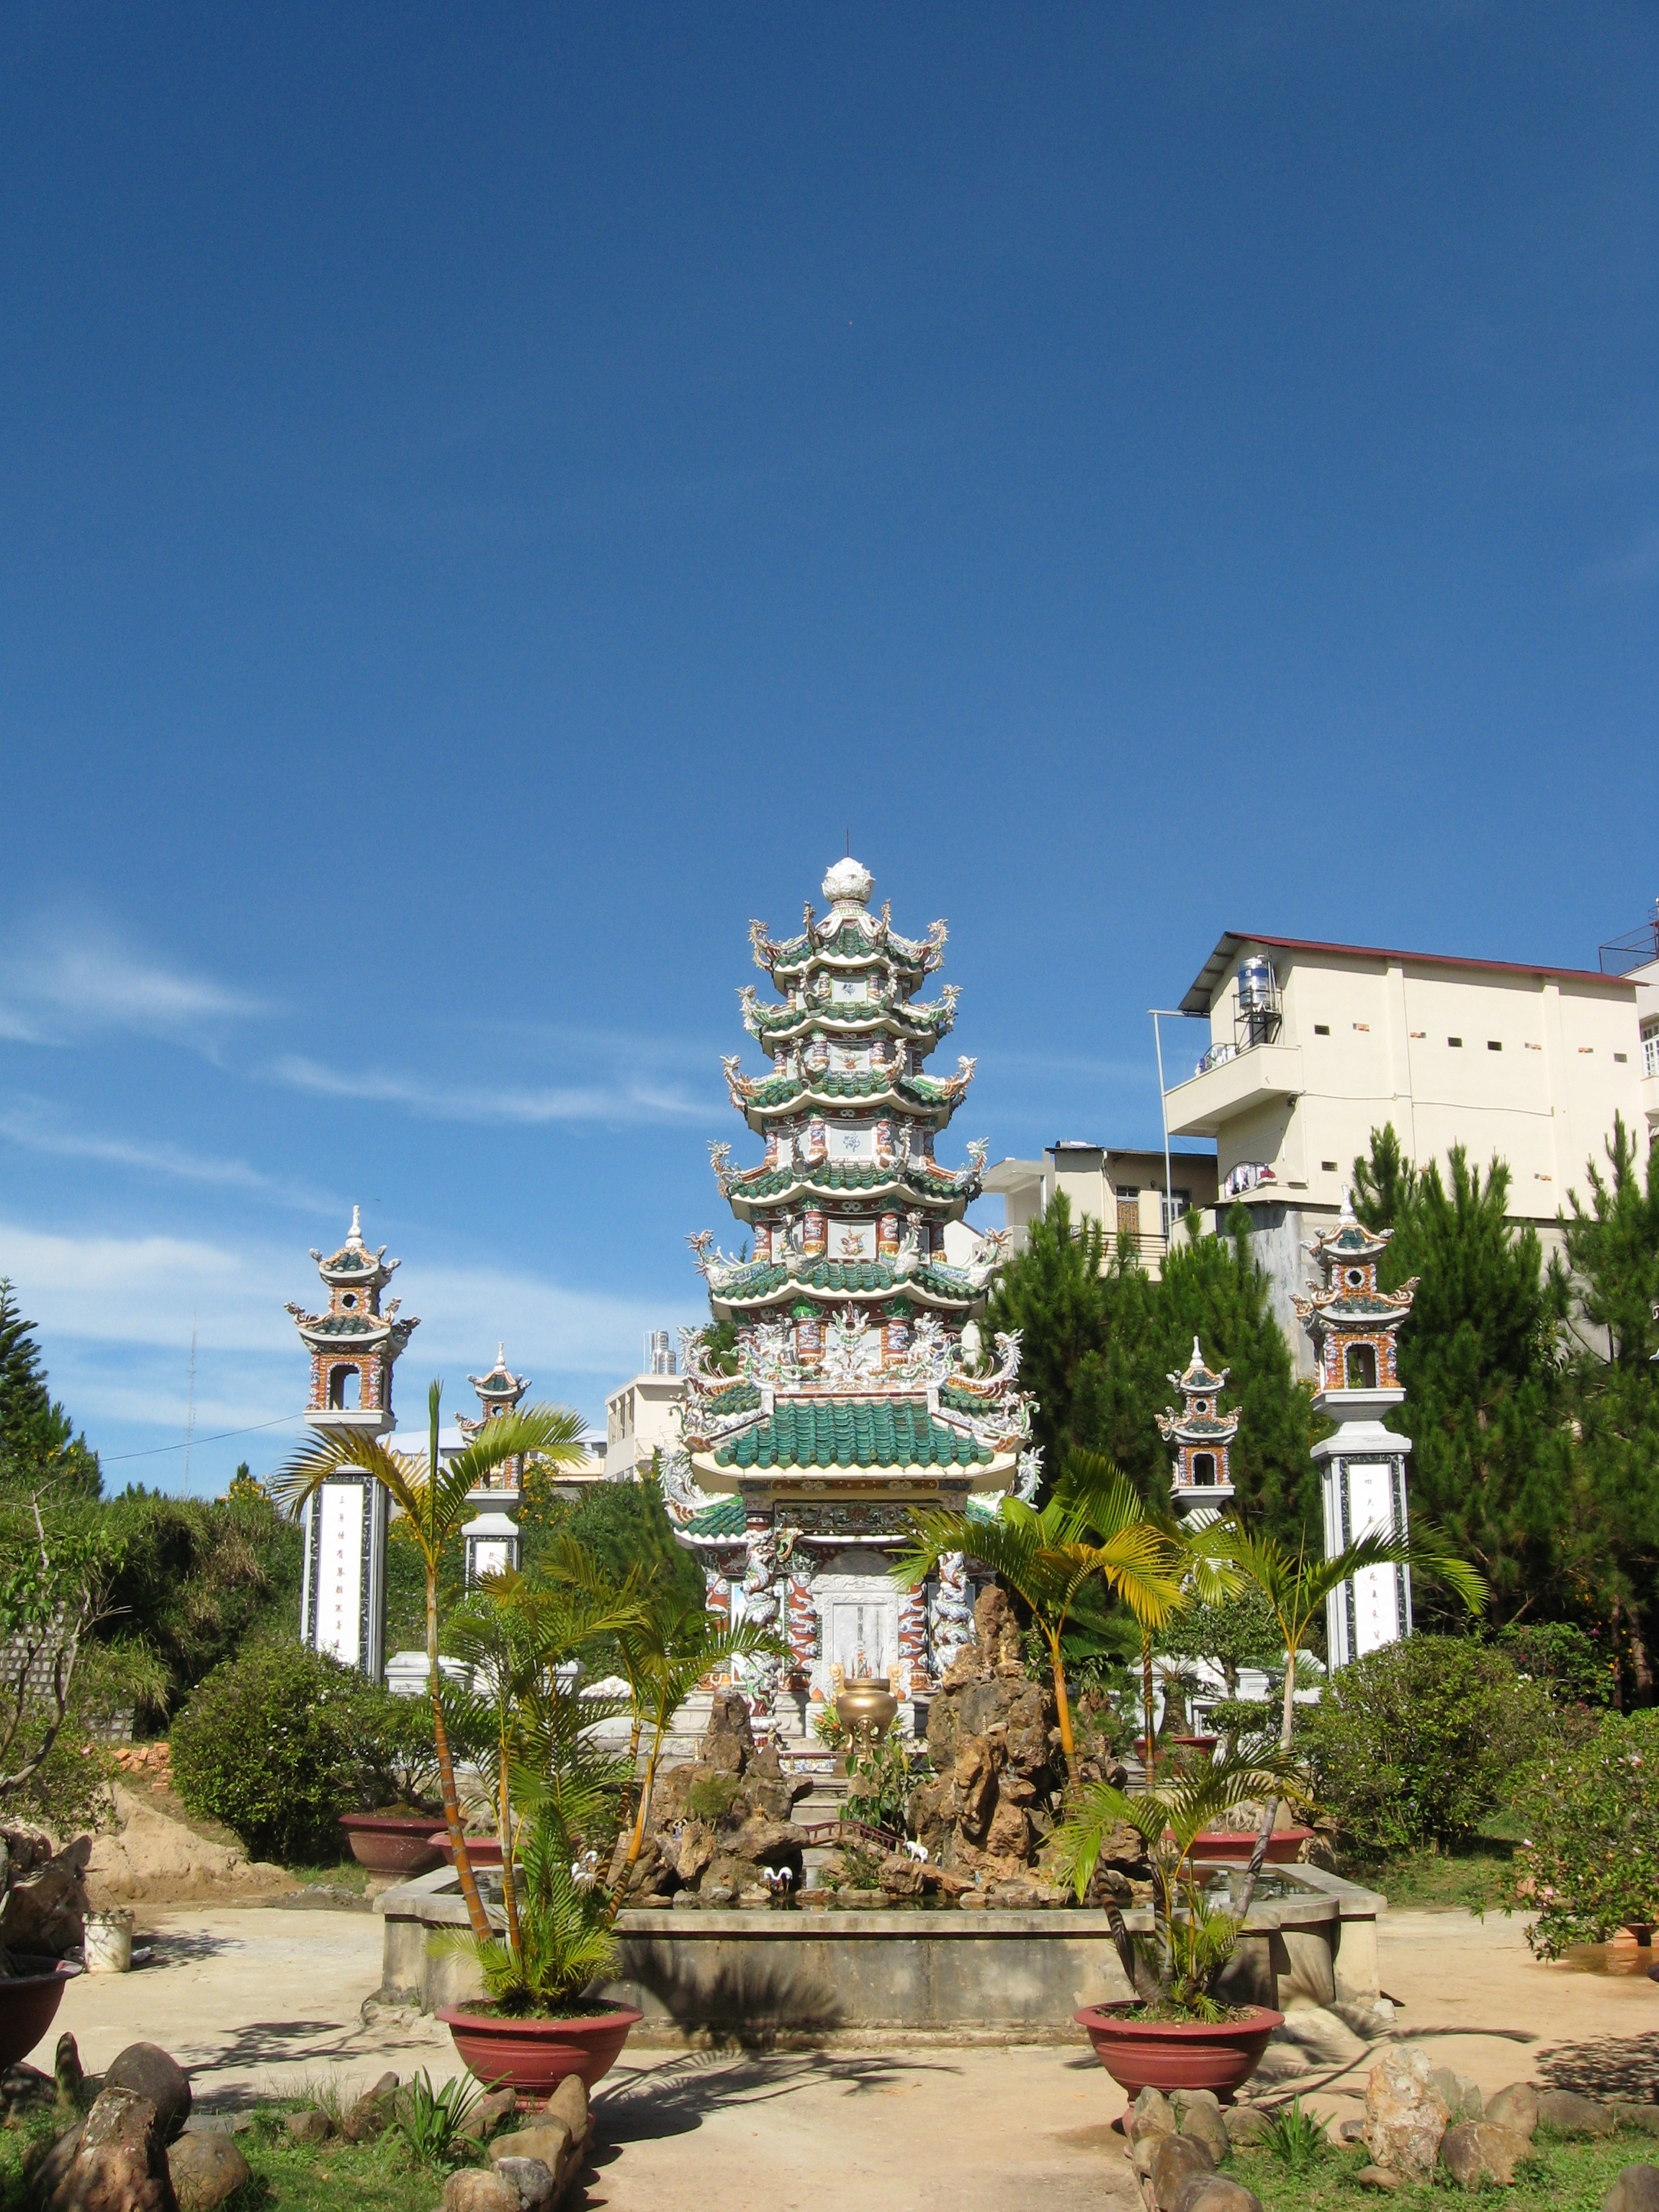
(400, 1801)
(1176, 2032)
(558, 1797)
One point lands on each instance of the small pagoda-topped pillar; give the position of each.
(353, 1345)
(1202, 1436)
(1354, 1325)
(490, 1540)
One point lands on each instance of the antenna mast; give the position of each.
(190, 1404)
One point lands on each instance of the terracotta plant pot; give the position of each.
(1233, 1846)
(534, 2055)
(391, 1843)
(1179, 2054)
(29, 2002)
(482, 1851)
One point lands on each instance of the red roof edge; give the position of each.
(1430, 959)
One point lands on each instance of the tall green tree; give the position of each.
(1606, 1452)
(1101, 1337)
(39, 1449)
(1478, 1363)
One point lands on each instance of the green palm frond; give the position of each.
(1169, 1816)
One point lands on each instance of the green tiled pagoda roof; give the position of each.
(857, 1433)
(854, 1011)
(960, 1401)
(346, 1325)
(1359, 1310)
(350, 1260)
(725, 1518)
(779, 1090)
(741, 1398)
(851, 1276)
(847, 1174)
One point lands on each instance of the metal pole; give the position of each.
(1164, 1111)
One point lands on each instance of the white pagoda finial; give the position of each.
(1197, 1356)
(500, 1353)
(357, 1236)
(850, 881)
(1347, 1205)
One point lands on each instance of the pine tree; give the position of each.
(38, 1447)
(24, 1397)
(1609, 1448)
(1478, 1367)
(1098, 1350)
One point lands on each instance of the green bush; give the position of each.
(269, 1744)
(1413, 1745)
(1570, 1664)
(1589, 1858)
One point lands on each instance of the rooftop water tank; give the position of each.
(1257, 989)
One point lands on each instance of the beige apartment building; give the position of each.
(643, 1416)
(1121, 1189)
(1311, 1046)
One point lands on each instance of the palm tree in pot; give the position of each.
(432, 1499)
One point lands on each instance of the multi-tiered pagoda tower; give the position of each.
(860, 1391)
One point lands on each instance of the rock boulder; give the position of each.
(1404, 2116)
(1635, 2190)
(148, 2071)
(119, 2161)
(1476, 2152)
(206, 2167)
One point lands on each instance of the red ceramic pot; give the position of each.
(481, 1850)
(391, 1843)
(29, 2002)
(1233, 1846)
(534, 2055)
(1179, 2054)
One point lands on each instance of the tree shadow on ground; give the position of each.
(657, 2101)
(1608, 2066)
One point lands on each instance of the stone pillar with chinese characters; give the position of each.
(1354, 1325)
(352, 1345)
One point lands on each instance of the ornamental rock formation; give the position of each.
(860, 1390)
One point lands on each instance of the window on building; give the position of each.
(1327, 1167)
(1456, 1043)
(1493, 1045)
(1360, 1367)
(1650, 1047)
(1321, 1028)
(1175, 1209)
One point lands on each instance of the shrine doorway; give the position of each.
(859, 1605)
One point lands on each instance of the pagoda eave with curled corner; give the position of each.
(861, 1391)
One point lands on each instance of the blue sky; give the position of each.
(491, 499)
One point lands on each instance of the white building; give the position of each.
(642, 1415)
(1311, 1046)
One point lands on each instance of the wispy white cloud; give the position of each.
(66, 980)
(29, 1124)
(149, 1291)
(621, 1101)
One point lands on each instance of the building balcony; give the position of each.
(1228, 1087)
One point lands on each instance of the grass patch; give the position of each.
(287, 2177)
(345, 1874)
(1562, 2177)
(1476, 1877)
